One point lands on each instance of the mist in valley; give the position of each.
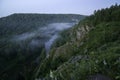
(59, 40)
(43, 36)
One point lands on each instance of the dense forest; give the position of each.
(22, 42)
(87, 51)
(20, 23)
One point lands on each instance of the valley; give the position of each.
(29, 40)
(61, 46)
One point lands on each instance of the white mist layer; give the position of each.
(56, 27)
(49, 43)
(45, 35)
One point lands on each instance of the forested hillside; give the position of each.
(88, 51)
(23, 38)
(20, 23)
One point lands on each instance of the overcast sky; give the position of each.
(85, 7)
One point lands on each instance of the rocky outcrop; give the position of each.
(79, 32)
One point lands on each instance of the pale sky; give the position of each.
(84, 7)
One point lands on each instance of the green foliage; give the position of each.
(98, 52)
(104, 15)
(64, 37)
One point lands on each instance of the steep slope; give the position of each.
(89, 50)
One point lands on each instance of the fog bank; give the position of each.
(43, 36)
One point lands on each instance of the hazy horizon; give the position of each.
(8, 7)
